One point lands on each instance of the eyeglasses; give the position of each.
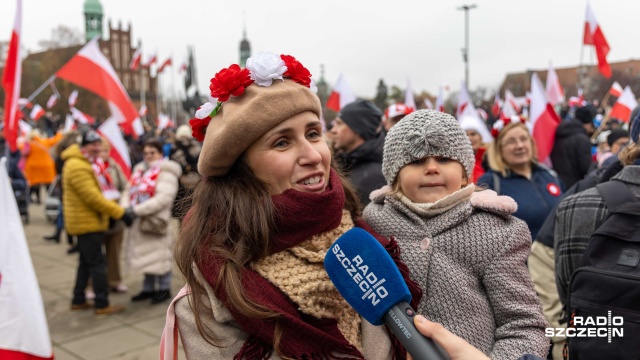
(513, 141)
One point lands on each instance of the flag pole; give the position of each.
(173, 94)
(143, 101)
(40, 89)
(158, 105)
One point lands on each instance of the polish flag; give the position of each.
(24, 127)
(428, 104)
(153, 58)
(23, 102)
(143, 110)
(138, 128)
(164, 121)
(510, 107)
(440, 99)
(341, 95)
(53, 100)
(36, 112)
(625, 104)
(81, 117)
(497, 105)
(616, 89)
(554, 89)
(69, 123)
(409, 99)
(119, 151)
(543, 119)
(593, 35)
(463, 99)
(73, 98)
(24, 333)
(11, 78)
(135, 60)
(90, 69)
(166, 63)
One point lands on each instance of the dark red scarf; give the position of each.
(299, 216)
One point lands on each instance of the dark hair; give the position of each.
(156, 143)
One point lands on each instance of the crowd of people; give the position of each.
(485, 235)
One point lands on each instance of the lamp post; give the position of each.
(465, 51)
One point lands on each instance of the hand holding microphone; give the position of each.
(366, 276)
(454, 345)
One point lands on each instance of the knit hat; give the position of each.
(425, 133)
(183, 132)
(362, 117)
(584, 115)
(249, 103)
(90, 137)
(615, 135)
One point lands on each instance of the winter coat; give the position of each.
(39, 167)
(364, 167)
(150, 253)
(470, 263)
(117, 176)
(535, 197)
(571, 154)
(85, 209)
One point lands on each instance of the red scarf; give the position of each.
(143, 183)
(299, 216)
(105, 181)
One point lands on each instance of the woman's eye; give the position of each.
(314, 134)
(281, 143)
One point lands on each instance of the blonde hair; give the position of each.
(494, 151)
(629, 154)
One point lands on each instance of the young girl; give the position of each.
(463, 247)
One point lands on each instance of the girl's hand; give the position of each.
(456, 347)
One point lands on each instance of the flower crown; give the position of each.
(262, 69)
(500, 124)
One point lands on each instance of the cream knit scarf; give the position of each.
(439, 207)
(299, 272)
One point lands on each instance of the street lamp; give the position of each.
(465, 51)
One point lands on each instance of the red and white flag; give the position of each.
(616, 89)
(119, 151)
(625, 104)
(428, 104)
(409, 99)
(24, 127)
(164, 121)
(497, 105)
(69, 123)
(543, 119)
(143, 110)
(135, 60)
(554, 89)
(81, 117)
(73, 98)
(593, 35)
(440, 99)
(183, 67)
(463, 99)
(138, 128)
(153, 58)
(90, 69)
(11, 78)
(341, 95)
(25, 103)
(53, 100)
(166, 63)
(24, 334)
(36, 112)
(510, 107)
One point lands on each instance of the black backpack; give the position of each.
(606, 287)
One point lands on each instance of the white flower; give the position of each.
(313, 86)
(264, 67)
(204, 110)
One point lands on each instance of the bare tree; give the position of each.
(62, 37)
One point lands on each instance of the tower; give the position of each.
(245, 47)
(92, 19)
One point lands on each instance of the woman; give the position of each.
(185, 150)
(476, 132)
(268, 207)
(39, 167)
(150, 192)
(515, 172)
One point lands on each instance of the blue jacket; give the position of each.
(535, 198)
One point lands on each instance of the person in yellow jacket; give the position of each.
(86, 215)
(39, 168)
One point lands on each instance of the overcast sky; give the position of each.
(364, 40)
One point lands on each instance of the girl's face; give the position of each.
(292, 155)
(430, 179)
(151, 154)
(475, 138)
(516, 149)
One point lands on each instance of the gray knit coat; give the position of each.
(470, 263)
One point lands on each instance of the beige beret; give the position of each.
(244, 119)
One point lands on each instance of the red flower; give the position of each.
(199, 127)
(296, 71)
(230, 81)
(495, 132)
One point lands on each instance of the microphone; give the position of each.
(366, 276)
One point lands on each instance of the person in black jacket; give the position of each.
(571, 154)
(359, 145)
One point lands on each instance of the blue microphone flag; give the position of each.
(365, 275)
